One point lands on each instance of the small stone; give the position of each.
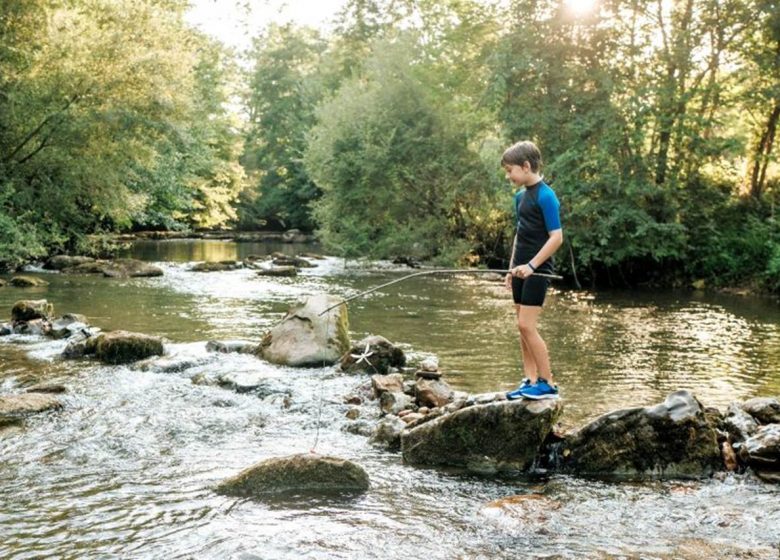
(729, 457)
(231, 346)
(424, 410)
(353, 413)
(393, 402)
(412, 417)
(433, 393)
(37, 327)
(51, 388)
(6, 329)
(388, 433)
(455, 405)
(387, 383)
(430, 365)
(422, 374)
(405, 412)
(353, 399)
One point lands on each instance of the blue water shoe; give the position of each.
(539, 390)
(517, 393)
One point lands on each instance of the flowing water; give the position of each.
(127, 468)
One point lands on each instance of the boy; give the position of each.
(538, 236)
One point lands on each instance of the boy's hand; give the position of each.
(523, 271)
(508, 281)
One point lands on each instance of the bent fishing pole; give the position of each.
(438, 271)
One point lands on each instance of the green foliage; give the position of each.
(393, 162)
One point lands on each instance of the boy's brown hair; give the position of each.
(521, 152)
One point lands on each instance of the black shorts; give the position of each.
(529, 291)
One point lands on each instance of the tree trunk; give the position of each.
(763, 152)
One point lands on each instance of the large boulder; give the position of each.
(82, 344)
(671, 440)
(28, 310)
(122, 347)
(304, 472)
(307, 336)
(764, 409)
(499, 436)
(13, 407)
(373, 354)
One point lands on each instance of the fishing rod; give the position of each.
(438, 271)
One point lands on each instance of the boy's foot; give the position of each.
(540, 390)
(517, 393)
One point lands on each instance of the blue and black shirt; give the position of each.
(537, 212)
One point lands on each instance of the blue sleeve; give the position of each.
(550, 206)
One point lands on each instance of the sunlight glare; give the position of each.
(580, 7)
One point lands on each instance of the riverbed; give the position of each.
(126, 470)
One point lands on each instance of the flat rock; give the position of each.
(28, 282)
(278, 271)
(14, 406)
(499, 436)
(216, 266)
(304, 472)
(671, 440)
(60, 262)
(51, 388)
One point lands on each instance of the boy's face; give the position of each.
(520, 175)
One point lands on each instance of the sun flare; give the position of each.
(580, 6)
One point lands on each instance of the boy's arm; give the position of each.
(548, 249)
(508, 277)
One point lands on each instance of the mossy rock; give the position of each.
(122, 347)
(18, 406)
(304, 472)
(28, 282)
(28, 310)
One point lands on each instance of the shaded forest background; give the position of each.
(657, 120)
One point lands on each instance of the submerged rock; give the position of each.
(216, 266)
(277, 271)
(387, 433)
(28, 310)
(765, 410)
(373, 354)
(304, 472)
(122, 347)
(38, 327)
(499, 436)
(231, 346)
(16, 406)
(669, 440)
(297, 262)
(68, 325)
(27, 282)
(83, 344)
(307, 336)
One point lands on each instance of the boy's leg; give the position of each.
(529, 363)
(527, 319)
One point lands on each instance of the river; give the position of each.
(127, 469)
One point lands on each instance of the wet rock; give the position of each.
(27, 310)
(258, 382)
(278, 271)
(231, 346)
(387, 433)
(430, 364)
(373, 354)
(293, 261)
(353, 399)
(393, 402)
(410, 387)
(762, 450)
(353, 413)
(307, 337)
(360, 427)
(455, 405)
(61, 262)
(17, 406)
(123, 347)
(383, 383)
(422, 374)
(528, 510)
(220, 266)
(87, 267)
(51, 388)
(37, 327)
(28, 282)
(432, 393)
(669, 440)
(738, 424)
(304, 472)
(6, 329)
(68, 325)
(764, 410)
(204, 379)
(500, 436)
(83, 344)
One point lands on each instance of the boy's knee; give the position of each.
(525, 327)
